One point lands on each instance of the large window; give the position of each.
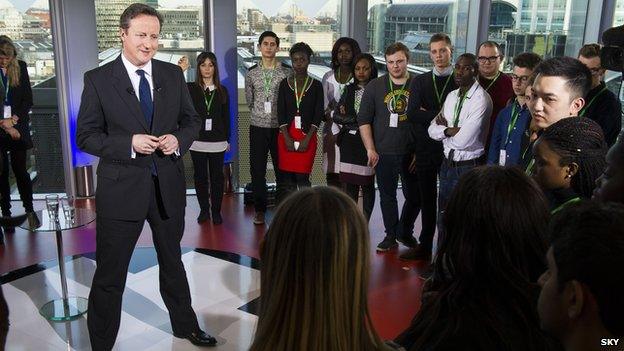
(547, 27)
(182, 34)
(413, 22)
(316, 23)
(27, 23)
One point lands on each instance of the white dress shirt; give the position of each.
(474, 120)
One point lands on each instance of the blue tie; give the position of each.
(145, 97)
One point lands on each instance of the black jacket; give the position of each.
(606, 110)
(429, 152)
(219, 112)
(21, 102)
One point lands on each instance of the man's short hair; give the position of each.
(268, 33)
(491, 44)
(577, 75)
(590, 51)
(588, 246)
(135, 10)
(396, 47)
(528, 60)
(441, 37)
(473, 60)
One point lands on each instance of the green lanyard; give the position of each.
(584, 110)
(209, 103)
(514, 120)
(458, 107)
(529, 169)
(493, 81)
(267, 80)
(392, 90)
(299, 97)
(435, 88)
(560, 207)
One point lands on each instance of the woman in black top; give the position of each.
(483, 293)
(299, 113)
(211, 102)
(569, 158)
(354, 170)
(15, 135)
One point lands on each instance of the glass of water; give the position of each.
(52, 204)
(69, 208)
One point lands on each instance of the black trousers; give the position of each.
(208, 165)
(295, 181)
(22, 178)
(368, 196)
(115, 241)
(421, 198)
(263, 141)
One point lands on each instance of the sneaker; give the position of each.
(387, 244)
(408, 241)
(417, 253)
(259, 218)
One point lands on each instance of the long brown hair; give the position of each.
(13, 70)
(314, 277)
(199, 80)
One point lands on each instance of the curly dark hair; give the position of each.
(579, 140)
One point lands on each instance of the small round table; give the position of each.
(67, 308)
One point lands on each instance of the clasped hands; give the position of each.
(147, 144)
(7, 124)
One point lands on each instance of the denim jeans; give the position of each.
(387, 171)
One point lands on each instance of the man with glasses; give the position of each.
(495, 82)
(601, 104)
(513, 121)
(386, 134)
(462, 128)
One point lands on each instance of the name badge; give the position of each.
(394, 120)
(298, 122)
(7, 111)
(267, 107)
(208, 124)
(353, 132)
(502, 157)
(296, 144)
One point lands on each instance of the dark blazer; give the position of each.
(219, 112)
(110, 114)
(21, 102)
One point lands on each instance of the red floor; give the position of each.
(395, 286)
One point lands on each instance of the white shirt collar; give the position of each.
(444, 73)
(132, 68)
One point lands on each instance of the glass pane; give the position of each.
(182, 34)
(316, 23)
(547, 27)
(27, 23)
(413, 22)
(614, 79)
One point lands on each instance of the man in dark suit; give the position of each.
(137, 116)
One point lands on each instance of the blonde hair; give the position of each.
(314, 277)
(13, 70)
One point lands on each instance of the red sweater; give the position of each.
(501, 93)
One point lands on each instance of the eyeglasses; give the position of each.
(522, 79)
(489, 59)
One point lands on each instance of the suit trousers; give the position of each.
(115, 242)
(421, 199)
(205, 165)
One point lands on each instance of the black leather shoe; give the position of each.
(198, 338)
(216, 218)
(203, 216)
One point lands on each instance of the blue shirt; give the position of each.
(512, 144)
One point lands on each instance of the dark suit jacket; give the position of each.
(110, 114)
(21, 102)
